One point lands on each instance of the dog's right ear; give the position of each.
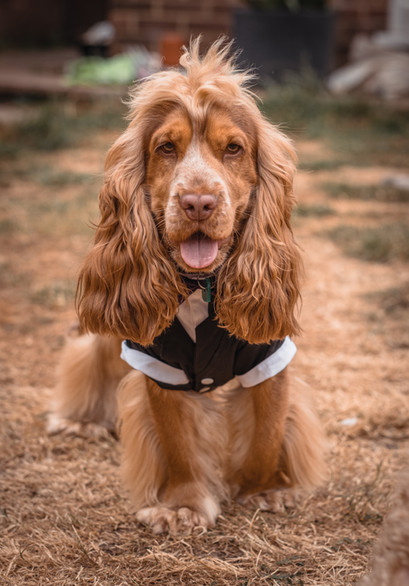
(127, 286)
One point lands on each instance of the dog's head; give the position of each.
(200, 174)
(198, 182)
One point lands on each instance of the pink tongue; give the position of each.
(199, 251)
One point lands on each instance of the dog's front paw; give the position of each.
(61, 425)
(275, 501)
(162, 519)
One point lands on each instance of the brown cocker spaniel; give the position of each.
(195, 273)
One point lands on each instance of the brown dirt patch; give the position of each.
(64, 518)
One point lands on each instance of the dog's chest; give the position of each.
(192, 312)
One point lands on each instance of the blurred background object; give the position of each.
(98, 38)
(397, 34)
(171, 48)
(283, 37)
(379, 63)
(40, 42)
(121, 69)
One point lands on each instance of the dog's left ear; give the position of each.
(127, 286)
(259, 285)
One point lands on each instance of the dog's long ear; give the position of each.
(127, 286)
(259, 285)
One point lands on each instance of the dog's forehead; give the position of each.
(229, 118)
(194, 119)
(175, 125)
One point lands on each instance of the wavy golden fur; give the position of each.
(127, 286)
(200, 182)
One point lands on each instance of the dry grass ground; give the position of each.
(64, 519)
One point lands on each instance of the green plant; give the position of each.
(320, 164)
(318, 210)
(379, 244)
(60, 124)
(356, 131)
(56, 294)
(366, 192)
(394, 301)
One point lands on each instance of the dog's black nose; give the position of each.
(198, 207)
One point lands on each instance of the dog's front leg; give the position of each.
(257, 473)
(185, 426)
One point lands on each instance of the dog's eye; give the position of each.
(168, 148)
(233, 149)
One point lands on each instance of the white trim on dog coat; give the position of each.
(195, 354)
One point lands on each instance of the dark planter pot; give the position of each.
(280, 42)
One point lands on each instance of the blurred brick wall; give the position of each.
(47, 22)
(22, 23)
(147, 21)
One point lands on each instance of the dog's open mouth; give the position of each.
(199, 251)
